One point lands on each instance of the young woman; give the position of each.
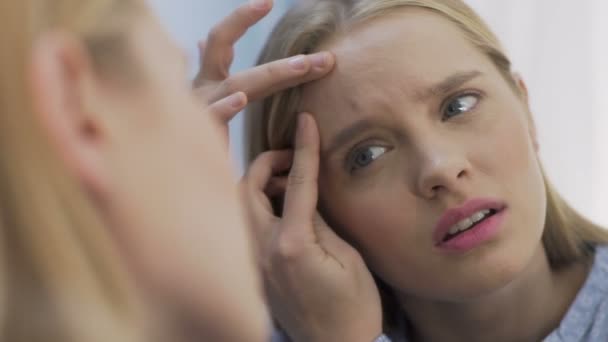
(425, 154)
(119, 218)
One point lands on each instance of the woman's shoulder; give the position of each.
(596, 284)
(587, 318)
(601, 263)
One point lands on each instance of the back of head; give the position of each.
(60, 275)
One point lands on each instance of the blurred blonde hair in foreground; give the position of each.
(61, 278)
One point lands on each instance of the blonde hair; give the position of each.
(61, 278)
(568, 237)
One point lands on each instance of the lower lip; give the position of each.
(481, 233)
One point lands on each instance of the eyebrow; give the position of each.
(449, 84)
(347, 134)
(444, 87)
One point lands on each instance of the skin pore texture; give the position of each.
(415, 120)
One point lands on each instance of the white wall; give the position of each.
(559, 46)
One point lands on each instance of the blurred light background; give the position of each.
(189, 21)
(560, 47)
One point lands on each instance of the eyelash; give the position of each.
(351, 156)
(356, 152)
(444, 106)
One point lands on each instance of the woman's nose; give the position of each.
(441, 170)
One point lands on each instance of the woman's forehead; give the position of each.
(396, 55)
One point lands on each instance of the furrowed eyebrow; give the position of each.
(440, 89)
(449, 84)
(347, 134)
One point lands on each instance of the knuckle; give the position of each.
(297, 177)
(203, 89)
(265, 156)
(260, 161)
(215, 34)
(286, 250)
(230, 86)
(273, 71)
(266, 159)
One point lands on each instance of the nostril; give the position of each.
(461, 174)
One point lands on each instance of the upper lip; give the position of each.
(455, 215)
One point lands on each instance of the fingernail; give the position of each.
(259, 4)
(298, 63)
(237, 100)
(320, 59)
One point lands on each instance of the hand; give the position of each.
(228, 94)
(318, 286)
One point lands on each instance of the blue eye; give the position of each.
(364, 156)
(459, 105)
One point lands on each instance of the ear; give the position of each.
(522, 91)
(61, 82)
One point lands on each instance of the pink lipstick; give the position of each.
(470, 225)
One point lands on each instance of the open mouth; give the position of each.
(469, 223)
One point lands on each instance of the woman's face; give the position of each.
(416, 122)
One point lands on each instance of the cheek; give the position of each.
(512, 160)
(391, 232)
(512, 165)
(382, 219)
(351, 211)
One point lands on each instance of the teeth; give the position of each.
(468, 222)
(464, 224)
(477, 217)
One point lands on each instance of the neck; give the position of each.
(527, 309)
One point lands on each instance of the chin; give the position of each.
(494, 271)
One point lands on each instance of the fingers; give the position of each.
(276, 187)
(218, 52)
(255, 186)
(273, 77)
(265, 166)
(301, 195)
(225, 109)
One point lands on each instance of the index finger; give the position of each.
(218, 53)
(302, 188)
(266, 79)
